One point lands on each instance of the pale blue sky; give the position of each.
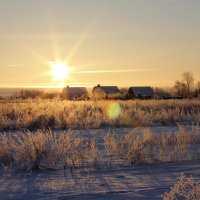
(118, 42)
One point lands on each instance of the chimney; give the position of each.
(98, 85)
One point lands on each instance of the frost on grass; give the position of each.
(187, 188)
(44, 150)
(43, 114)
(47, 149)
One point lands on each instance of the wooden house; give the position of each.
(105, 92)
(106, 89)
(146, 92)
(71, 93)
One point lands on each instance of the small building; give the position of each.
(72, 93)
(105, 91)
(146, 92)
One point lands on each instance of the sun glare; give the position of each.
(59, 71)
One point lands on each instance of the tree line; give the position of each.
(187, 86)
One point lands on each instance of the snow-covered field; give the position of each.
(131, 182)
(100, 133)
(110, 182)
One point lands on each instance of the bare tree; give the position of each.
(180, 88)
(198, 87)
(188, 79)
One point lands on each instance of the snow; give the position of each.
(115, 182)
(130, 182)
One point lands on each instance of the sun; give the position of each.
(59, 71)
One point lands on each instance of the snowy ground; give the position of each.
(114, 183)
(138, 182)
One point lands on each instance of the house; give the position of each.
(141, 92)
(74, 93)
(105, 91)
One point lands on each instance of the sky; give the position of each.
(107, 42)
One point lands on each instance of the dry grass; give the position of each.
(55, 150)
(58, 114)
(149, 148)
(44, 150)
(185, 188)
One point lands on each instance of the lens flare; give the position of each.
(114, 110)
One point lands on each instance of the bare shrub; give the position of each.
(50, 95)
(95, 154)
(27, 93)
(185, 188)
(147, 148)
(78, 152)
(42, 122)
(5, 150)
(163, 146)
(28, 149)
(137, 148)
(47, 149)
(110, 146)
(180, 147)
(182, 142)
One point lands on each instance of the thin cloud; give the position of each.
(166, 1)
(42, 36)
(11, 65)
(113, 71)
(161, 1)
(18, 65)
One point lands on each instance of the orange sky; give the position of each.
(115, 42)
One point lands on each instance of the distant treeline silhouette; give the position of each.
(184, 88)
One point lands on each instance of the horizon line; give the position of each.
(87, 86)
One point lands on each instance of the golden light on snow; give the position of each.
(59, 71)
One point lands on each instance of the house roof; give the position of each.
(144, 91)
(76, 90)
(106, 89)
